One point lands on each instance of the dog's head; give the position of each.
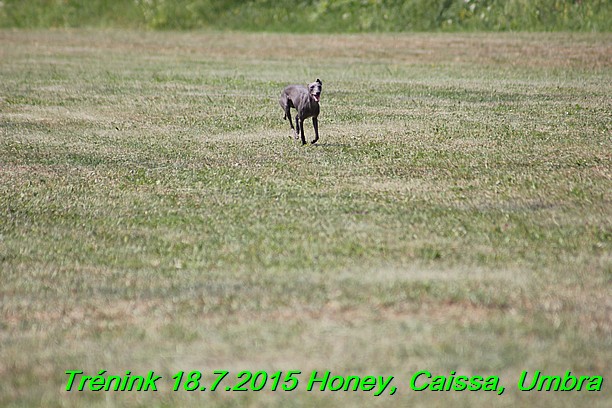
(315, 89)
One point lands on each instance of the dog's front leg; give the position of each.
(315, 125)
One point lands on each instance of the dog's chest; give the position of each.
(309, 107)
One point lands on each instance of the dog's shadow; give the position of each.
(329, 145)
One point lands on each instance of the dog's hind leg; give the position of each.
(288, 115)
(315, 125)
(283, 104)
(298, 126)
(301, 130)
(296, 130)
(286, 105)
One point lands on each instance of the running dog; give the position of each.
(306, 101)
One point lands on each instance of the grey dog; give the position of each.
(306, 101)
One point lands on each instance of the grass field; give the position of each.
(155, 214)
(312, 16)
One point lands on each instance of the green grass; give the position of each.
(155, 215)
(313, 16)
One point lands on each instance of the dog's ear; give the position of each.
(319, 81)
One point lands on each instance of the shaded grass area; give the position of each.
(456, 214)
(312, 16)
